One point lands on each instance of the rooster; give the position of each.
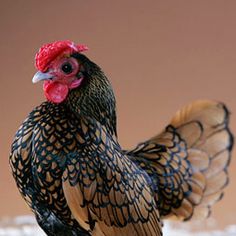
(72, 172)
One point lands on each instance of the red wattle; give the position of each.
(55, 92)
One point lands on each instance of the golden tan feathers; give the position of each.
(188, 161)
(81, 174)
(203, 125)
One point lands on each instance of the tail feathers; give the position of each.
(188, 161)
(203, 125)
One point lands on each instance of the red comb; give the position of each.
(50, 51)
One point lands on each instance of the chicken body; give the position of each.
(72, 172)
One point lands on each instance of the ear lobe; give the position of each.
(76, 83)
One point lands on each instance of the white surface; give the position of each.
(26, 226)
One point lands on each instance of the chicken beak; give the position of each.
(39, 76)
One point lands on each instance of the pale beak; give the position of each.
(39, 76)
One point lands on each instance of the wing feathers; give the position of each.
(74, 199)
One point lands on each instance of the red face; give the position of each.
(61, 76)
(64, 72)
(60, 72)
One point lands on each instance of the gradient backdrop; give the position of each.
(159, 55)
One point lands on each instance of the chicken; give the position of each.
(72, 172)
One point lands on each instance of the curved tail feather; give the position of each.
(188, 161)
(204, 127)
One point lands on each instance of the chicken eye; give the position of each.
(67, 68)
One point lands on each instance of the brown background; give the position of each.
(159, 55)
